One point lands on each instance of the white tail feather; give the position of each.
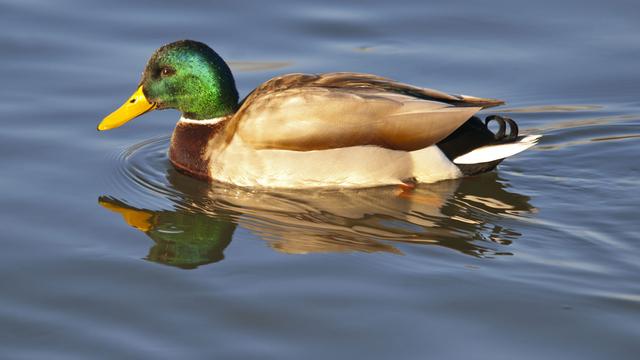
(496, 152)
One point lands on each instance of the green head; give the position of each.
(185, 75)
(189, 76)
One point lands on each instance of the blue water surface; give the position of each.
(107, 252)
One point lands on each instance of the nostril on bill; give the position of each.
(132, 101)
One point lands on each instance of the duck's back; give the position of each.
(317, 112)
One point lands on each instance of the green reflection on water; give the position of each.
(182, 238)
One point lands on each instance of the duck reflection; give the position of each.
(182, 238)
(463, 215)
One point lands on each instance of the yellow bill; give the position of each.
(135, 106)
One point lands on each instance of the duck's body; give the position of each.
(328, 130)
(352, 166)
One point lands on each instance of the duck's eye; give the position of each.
(167, 71)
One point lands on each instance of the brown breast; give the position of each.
(189, 143)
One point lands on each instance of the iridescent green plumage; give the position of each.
(189, 76)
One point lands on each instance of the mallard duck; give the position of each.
(327, 130)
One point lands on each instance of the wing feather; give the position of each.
(315, 112)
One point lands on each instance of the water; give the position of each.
(108, 252)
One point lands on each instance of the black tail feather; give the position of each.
(474, 134)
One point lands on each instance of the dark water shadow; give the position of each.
(465, 215)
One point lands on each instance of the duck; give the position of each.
(329, 130)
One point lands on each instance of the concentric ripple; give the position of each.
(141, 173)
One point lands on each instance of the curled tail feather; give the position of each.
(476, 149)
